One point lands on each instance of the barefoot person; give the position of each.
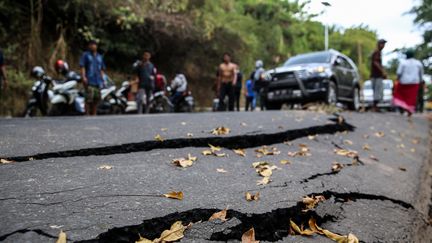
(227, 77)
(377, 74)
(410, 74)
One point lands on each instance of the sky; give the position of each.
(388, 18)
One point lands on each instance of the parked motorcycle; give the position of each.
(111, 103)
(67, 99)
(186, 102)
(40, 94)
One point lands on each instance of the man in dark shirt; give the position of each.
(3, 80)
(237, 89)
(377, 73)
(92, 71)
(145, 76)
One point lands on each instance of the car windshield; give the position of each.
(322, 57)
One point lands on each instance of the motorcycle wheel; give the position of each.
(30, 112)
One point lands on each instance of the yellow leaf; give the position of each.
(335, 237)
(159, 138)
(249, 237)
(266, 180)
(366, 147)
(182, 162)
(221, 171)
(5, 161)
(190, 157)
(61, 237)
(143, 240)
(337, 166)
(311, 202)
(284, 162)
(219, 215)
(348, 142)
(352, 238)
(346, 153)
(175, 233)
(311, 137)
(221, 131)
(105, 167)
(220, 154)
(265, 172)
(314, 227)
(240, 152)
(252, 197)
(297, 229)
(379, 134)
(174, 195)
(214, 148)
(207, 152)
(164, 129)
(259, 164)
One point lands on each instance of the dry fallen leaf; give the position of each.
(295, 228)
(143, 240)
(221, 170)
(207, 152)
(240, 152)
(249, 237)
(267, 151)
(252, 197)
(220, 154)
(265, 172)
(350, 238)
(285, 161)
(266, 180)
(159, 138)
(337, 167)
(312, 202)
(346, 153)
(105, 167)
(221, 131)
(5, 161)
(219, 215)
(174, 195)
(214, 148)
(372, 157)
(366, 147)
(413, 150)
(379, 134)
(314, 227)
(312, 137)
(347, 142)
(175, 233)
(61, 237)
(182, 162)
(164, 129)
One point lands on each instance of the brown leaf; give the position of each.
(252, 197)
(5, 161)
(314, 227)
(174, 195)
(285, 161)
(175, 233)
(159, 138)
(221, 171)
(219, 215)
(221, 131)
(105, 167)
(249, 237)
(379, 134)
(259, 164)
(366, 147)
(341, 119)
(337, 166)
(299, 231)
(182, 162)
(264, 181)
(240, 152)
(311, 202)
(61, 237)
(346, 153)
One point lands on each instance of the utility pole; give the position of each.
(326, 30)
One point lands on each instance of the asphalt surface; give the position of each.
(384, 197)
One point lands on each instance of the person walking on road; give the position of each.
(227, 80)
(3, 79)
(250, 96)
(410, 74)
(377, 74)
(259, 85)
(145, 76)
(92, 71)
(237, 89)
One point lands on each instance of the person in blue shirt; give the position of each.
(92, 71)
(250, 96)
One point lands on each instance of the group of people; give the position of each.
(229, 85)
(409, 81)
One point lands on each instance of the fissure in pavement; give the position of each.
(233, 142)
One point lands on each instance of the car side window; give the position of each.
(342, 62)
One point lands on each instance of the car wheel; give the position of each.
(273, 106)
(331, 98)
(355, 104)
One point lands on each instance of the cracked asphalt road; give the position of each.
(385, 198)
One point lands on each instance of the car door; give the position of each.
(343, 76)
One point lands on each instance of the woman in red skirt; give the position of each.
(409, 73)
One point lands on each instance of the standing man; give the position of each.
(145, 76)
(259, 84)
(227, 79)
(92, 70)
(3, 79)
(377, 74)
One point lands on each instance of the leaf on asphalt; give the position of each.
(6, 161)
(175, 233)
(207, 152)
(219, 215)
(174, 195)
(267, 151)
(105, 167)
(266, 180)
(350, 238)
(314, 227)
(372, 157)
(164, 129)
(288, 143)
(402, 168)
(220, 154)
(296, 229)
(214, 148)
(143, 240)
(348, 142)
(303, 151)
(221, 170)
(221, 131)
(346, 153)
(312, 202)
(184, 162)
(285, 161)
(189, 134)
(61, 237)
(379, 134)
(252, 197)
(249, 236)
(312, 137)
(336, 167)
(240, 152)
(159, 138)
(366, 147)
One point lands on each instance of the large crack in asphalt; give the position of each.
(23, 231)
(233, 142)
(271, 226)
